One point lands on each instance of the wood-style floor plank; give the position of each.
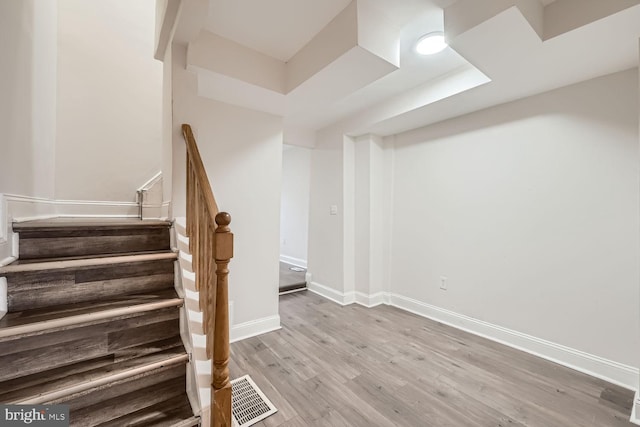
(352, 366)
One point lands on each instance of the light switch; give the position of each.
(333, 210)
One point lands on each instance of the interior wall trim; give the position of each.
(635, 409)
(253, 328)
(298, 262)
(331, 294)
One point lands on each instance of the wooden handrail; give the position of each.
(210, 240)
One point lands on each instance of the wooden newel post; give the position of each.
(221, 387)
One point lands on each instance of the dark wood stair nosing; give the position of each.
(82, 224)
(74, 263)
(91, 256)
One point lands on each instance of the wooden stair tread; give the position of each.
(127, 397)
(77, 377)
(32, 322)
(89, 262)
(55, 371)
(93, 323)
(69, 237)
(175, 412)
(87, 223)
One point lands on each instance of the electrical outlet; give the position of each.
(443, 283)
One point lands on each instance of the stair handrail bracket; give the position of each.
(210, 241)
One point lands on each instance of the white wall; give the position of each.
(167, 128)
(294, 206)
(362, 214)
(635, 413)
(27, 107)
(326, 238)
(370, 199)
(531, 211)
(27, 104)
(242, 152)
(109, 121)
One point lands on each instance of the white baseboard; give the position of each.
(3, 297)
(331, 294)
(5, 223)
(254, 327)
(608, 370)
(23, 208)
(617, 373)
(347, 298)
(156, 211)
(9, 249)
(369, 301)
(95, 209)
(294, 261)
(635, 409)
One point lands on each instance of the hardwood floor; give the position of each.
(352, 366)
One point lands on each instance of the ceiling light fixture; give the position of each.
(431, 43)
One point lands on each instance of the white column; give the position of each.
(367, 198)
(635, 414)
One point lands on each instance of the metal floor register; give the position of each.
(249, 405)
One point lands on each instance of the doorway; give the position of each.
(294, 217)
(292, 278)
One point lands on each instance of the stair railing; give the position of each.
(210, 240)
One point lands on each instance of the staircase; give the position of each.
(93, 322)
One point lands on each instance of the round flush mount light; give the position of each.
(431, 43)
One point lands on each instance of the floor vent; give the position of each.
(249, 404)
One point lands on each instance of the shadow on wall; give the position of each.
(552, 104)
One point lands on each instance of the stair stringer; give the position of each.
(199, 367)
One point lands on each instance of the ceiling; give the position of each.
(278, 28)
(499, 52)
